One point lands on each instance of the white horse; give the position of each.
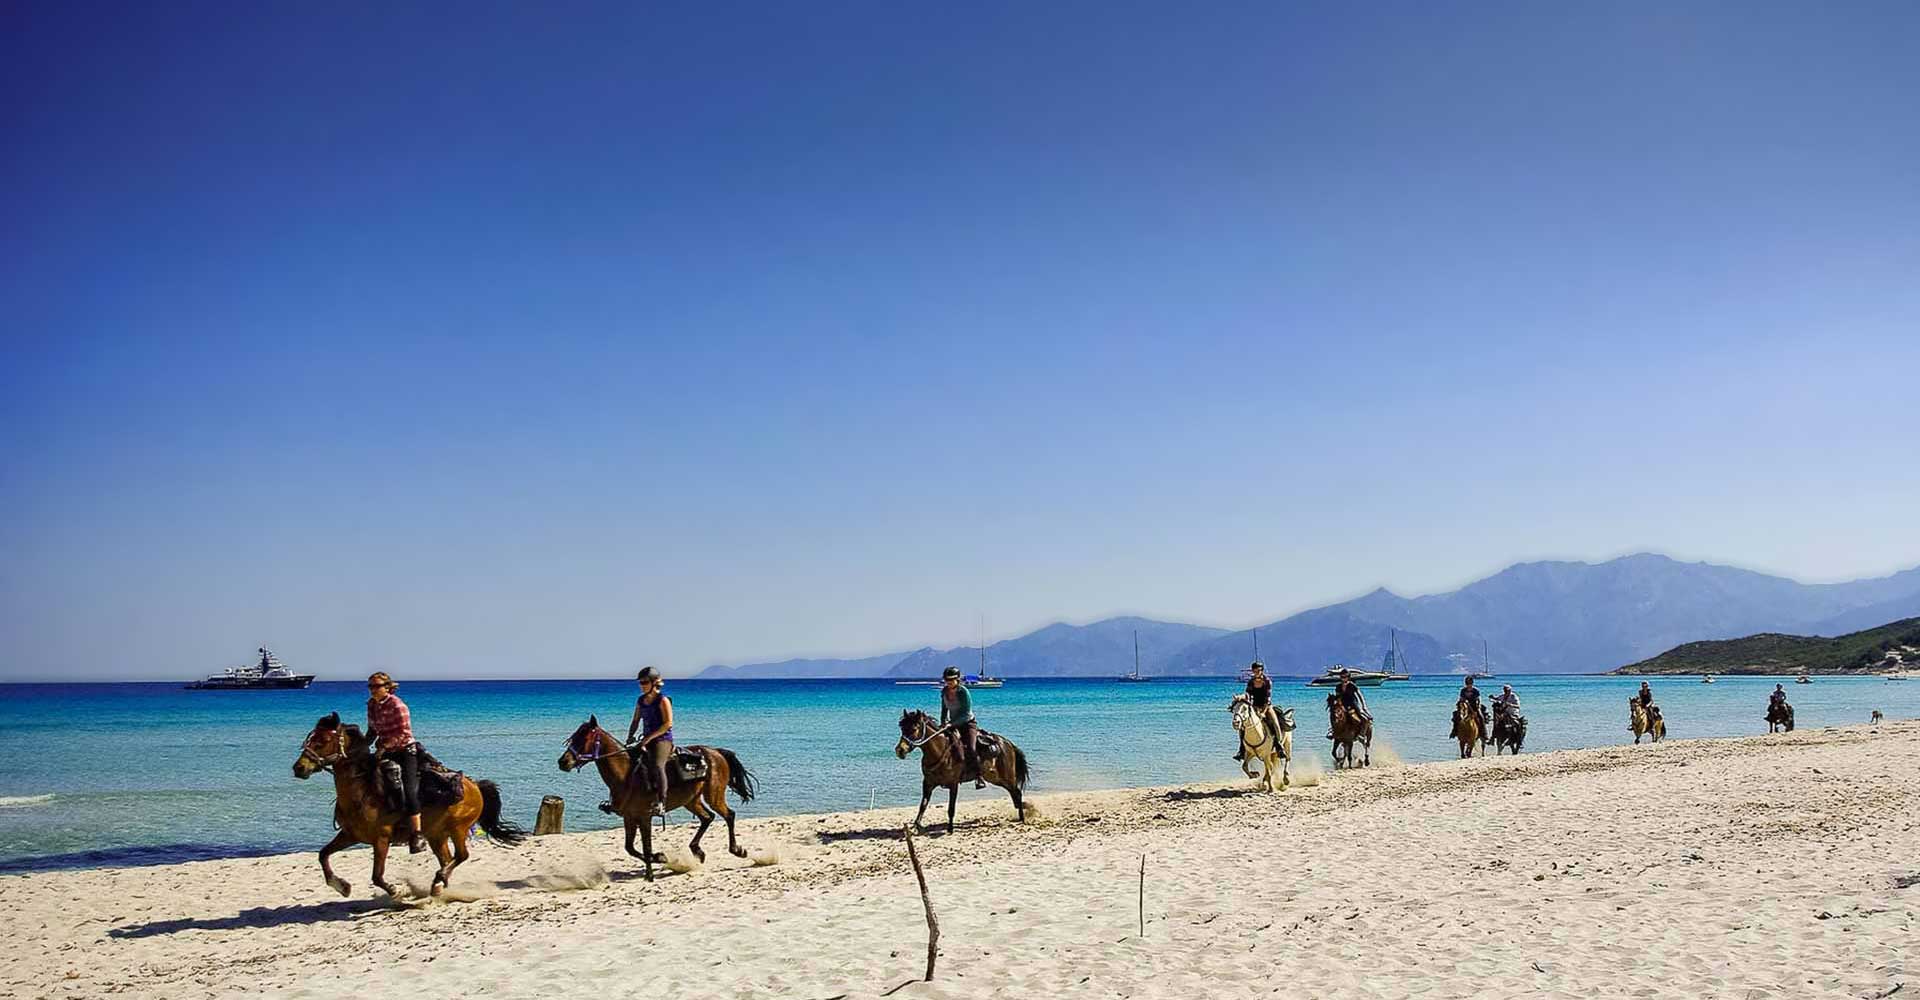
(1273, 750)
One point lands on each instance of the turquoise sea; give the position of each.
(117, 774)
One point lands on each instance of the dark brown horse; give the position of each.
(1345, 729)
(944, 764)
(634, 800)
(365, 817)
(1509, 729)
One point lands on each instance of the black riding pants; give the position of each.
(408, 757)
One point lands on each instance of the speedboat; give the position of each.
(1360, 678)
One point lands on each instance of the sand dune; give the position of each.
(1768, 866)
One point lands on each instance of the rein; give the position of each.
(326, 763)
(915, 745)
(598, 740)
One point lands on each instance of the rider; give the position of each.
(1470, 696)
(1347, 693)
(1507, 701)
(389, 723)
(1777, 701)
(1646, 696)
(655, 748)
(1260, 696)
(956, 711)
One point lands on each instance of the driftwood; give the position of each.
(552, 818)
(933, 923)
(1143, 896)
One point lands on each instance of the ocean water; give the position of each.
(116, 774)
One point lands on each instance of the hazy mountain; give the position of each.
(1539, 617)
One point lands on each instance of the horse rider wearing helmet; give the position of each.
(655, 710)
(1260, 696)
(956, 711)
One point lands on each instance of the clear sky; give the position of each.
(553, 339)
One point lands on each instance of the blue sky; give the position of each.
(547, 341)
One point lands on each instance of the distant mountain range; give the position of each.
(1889, 647)
(1538, 617)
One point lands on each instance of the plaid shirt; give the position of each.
(389, 717)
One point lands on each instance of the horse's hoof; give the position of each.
(658, 858)
(340, 886)
(738, 852)
(700, 855)
(439, 887)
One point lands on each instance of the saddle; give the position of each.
(987, 743)
(440, 785)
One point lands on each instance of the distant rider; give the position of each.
(1260, 696)
(1347, 694)
(391, 725)
(1470, 696)
(653, 720)
(956, 710)
(1777, 704)
(1646, 697)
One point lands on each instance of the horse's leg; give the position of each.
(380, 863)
(699, 809)
(953, 803)
(445, 857)
(459, 842)
(340, 841)
(926, 793)
(1019, 807)
(646, 845)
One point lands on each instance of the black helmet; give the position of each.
(1257, 665)
(950, 672)
(648, 674)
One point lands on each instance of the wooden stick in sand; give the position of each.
(1143, 896)
(933, 923)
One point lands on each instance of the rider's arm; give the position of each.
(634, 726)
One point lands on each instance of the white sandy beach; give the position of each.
(1758, 867)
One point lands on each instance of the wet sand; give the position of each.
(1764, 866)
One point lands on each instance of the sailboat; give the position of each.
(1394, 660)
(1134, 677)
(1486, 664)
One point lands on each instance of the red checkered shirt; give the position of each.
(389, 717)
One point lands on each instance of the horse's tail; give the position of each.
(497, 828)
(1019, 766)
(739, 778)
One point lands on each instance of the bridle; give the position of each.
(913, 744)
(325, 763)
(599, 738)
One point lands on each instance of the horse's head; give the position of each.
(327, 744)
(583, 746)
(1241, 709)
(914, 727)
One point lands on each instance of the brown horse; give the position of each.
(1640, 722)
(1509, 729)
(365, 817)
(1345, 729)
(634, 800)
(1779, 719)
(1466, 727)
(943, 764)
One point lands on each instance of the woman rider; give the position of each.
(956, 710)
(389, 722)
(654, 709)
(1260, 696)
(1646, 696)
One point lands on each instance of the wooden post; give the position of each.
(933, 923)
(552, 816)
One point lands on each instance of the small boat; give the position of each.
(1803, 679)
(1134, 677)
(1706, 678)
(267, 675)
(1897, 675)
(1360, 678)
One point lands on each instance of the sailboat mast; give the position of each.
(1136, 652)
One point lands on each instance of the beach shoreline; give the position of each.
(1710, 866)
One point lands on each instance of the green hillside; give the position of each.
(1773, 653)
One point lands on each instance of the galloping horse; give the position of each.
(1273, 750)
(1640, 723)
(1346, 728)
(1509, 730)
(943, 764)
(1466, 727)
(702, 797)
(365, 817)
(1779, 719)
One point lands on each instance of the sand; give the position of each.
(1759, 867)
